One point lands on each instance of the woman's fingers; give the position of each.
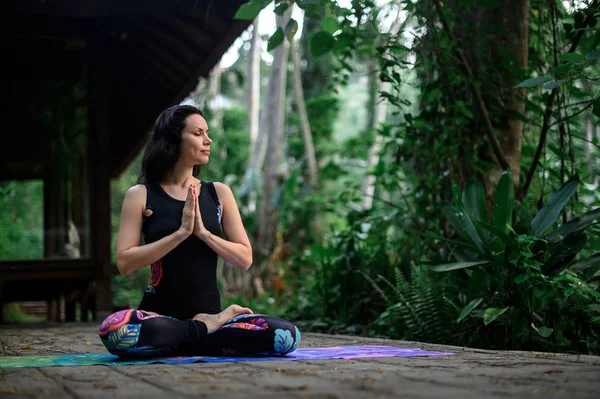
(187, 218)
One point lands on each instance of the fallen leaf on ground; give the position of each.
(29, 347)
(553, 372)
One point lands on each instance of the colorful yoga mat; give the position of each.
(336, 352)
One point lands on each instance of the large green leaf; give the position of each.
(564, 253)
(534, 81)
(276, 39)
(472, 305)
(502, 209)
(544, 332)
(492, 314)
(501, 235)
(290, 29)
(321, 43)
(550, 212)
(455, 219)
(457, 265)
(593, 263)
(503, 202)
(579, 223)
(249, 11)
(281, 8)
(556, 83)
(473, 234)
(473, 200)
(330, 25)
(344, 41)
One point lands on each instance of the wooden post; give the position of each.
(99, 89)
(84, 300)
(70, 308)
(53, 309)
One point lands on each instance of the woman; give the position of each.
(182, 220)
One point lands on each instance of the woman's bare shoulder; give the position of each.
(223, 190)
(136, 193)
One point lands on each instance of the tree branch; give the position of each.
(548, 115)
(573, 114)
(586, 140)
(489, 129)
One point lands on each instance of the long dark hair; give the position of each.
(162, 151)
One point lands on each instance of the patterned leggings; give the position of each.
(134, 334)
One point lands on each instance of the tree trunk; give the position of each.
(309, 147)
(214, 89)
(513, 20)
(379, 115)
(589, 136)
(275, 104)
(257, 141)
(254, 82)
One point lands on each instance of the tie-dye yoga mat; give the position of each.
(336, 352)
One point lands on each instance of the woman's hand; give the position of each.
(199, 228)
(188, 215)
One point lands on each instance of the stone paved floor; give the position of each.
(472, 373)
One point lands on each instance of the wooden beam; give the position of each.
(109, 8)
(165, 38)
(207, 20)
(192, 32)
(163, 55)
(208, 62)
(41, 59)
(148, 62)
(26, 170)
(26, 266)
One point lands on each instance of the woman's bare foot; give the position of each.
(215, 321)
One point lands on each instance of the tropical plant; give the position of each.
(419, 309)
(526, 284)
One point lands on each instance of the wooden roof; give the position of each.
(152, 52)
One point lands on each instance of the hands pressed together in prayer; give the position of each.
(191, 219)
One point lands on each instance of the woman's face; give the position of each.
(195, 143)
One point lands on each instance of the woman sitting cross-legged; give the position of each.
(182, 220)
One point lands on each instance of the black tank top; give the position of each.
(184, 281)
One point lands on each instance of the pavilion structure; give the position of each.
(85, 80)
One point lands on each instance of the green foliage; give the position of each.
(251, 9)
(14, 314)
(22, 232)
(531, 292)
(417, 310)
(321, 43)
(276, 39)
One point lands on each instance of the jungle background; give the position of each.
(423, 170)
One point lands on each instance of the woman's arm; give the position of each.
(132, 256)
(236, 249)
